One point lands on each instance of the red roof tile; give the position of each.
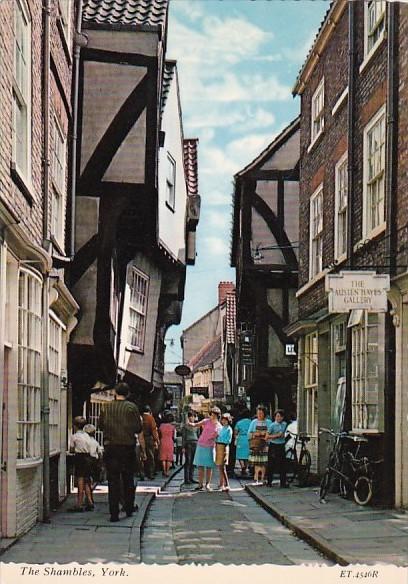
(191, 165)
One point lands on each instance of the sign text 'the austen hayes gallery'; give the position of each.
(357, 290)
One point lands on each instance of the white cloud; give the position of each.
(217, 198)
(242, 118)
(244, 150)
(216, 245)
(220, 220)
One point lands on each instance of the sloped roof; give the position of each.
(168, 76)
(207, 355)
(149, 13)
(231, 317)
(191, 164)
(276, 143)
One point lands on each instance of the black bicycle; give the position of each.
(298, 465)
(355, 475)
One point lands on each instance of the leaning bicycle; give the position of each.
(298, 464)
(356, 475)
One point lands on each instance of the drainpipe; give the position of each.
(75, 89)
(350, 191)
(391, 250)
(45, 408)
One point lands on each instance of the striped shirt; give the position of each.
(120, 421)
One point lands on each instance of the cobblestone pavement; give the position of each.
(183, 526)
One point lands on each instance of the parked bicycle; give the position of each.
(356, 475)
(298, 465)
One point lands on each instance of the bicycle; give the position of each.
(356, 475)
(300, 464)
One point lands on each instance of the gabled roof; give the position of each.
(146, 13)
(169, 73)
(231, 317)
(191, 164)
(192, 325)
(277, 142)
(207, 355)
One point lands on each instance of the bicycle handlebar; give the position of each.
(344, 434)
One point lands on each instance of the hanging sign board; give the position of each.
(357, 290)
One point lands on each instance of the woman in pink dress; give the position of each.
(166, 453)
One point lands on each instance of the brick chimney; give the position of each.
(223, 289)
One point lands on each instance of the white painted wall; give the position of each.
(172, 223)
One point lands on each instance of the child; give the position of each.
(276, 450)
(80, 445)
(222, 443)
(96, 453)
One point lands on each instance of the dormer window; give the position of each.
(317, 118)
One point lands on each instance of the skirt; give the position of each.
(258, 458)
(221, 454)
(204, 456)
(83, 465)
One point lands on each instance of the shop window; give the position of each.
(311, 382)
(29, 366)
(365, 370)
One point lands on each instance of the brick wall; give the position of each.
(402, 203)
(28, 494)
(318, 165)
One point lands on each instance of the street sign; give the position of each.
(290, 350)
(357, 290)
(182, 370)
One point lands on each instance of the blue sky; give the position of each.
(237, 63)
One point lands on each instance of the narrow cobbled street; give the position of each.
(184, 526)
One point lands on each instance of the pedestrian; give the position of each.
(166, 450)
(189, 441)
(80, 446)
(140, 443)
(151, 439)
(204, 457)
(120, 421)
(257, 433)
(242, 442)
(179, 448)
(222, 445)
(276, 450)
(96, 453)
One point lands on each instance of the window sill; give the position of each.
(340, 101)
(172, 209)
(340, 259)
(370, 237)
(315, 141)
(25, 187)
(373, 51)
(132, 349)
(28, 463)
(311, 283)
(57, 245)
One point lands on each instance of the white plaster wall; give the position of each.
(172, 223)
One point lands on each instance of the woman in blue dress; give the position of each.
(242, 442)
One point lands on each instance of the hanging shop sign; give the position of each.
(182, 370)
(357, 290)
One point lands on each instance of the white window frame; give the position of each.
(340, 212)
(317, 115)
(64, 7)
(316, 233)
(378, 25)
(55, 346)
(29, 365)
(138, 305)
(370, 230)
(171, 182)
(311, 381)
(58, 174)
(21, 92)
(364, 396)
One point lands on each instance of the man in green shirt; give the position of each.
(120, 421)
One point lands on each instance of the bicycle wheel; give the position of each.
(324, 485)
(363, 490)
(303, 471)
